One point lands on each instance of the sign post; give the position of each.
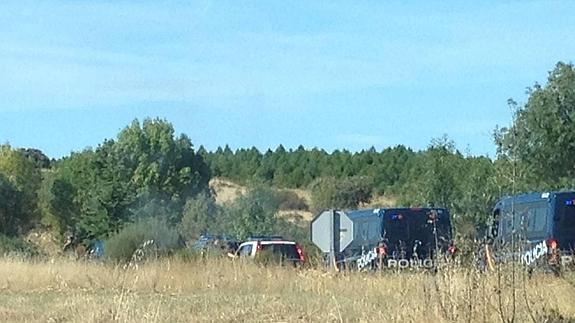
(334, 238)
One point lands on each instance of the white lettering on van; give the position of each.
(366, 259)
(532, 255)
(411, 263)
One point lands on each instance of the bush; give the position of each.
(12, 245)
(289, 200)
(251, 214)
(199, 216)
(121, 246)
(347, 193)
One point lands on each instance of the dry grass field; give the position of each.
(226, 291)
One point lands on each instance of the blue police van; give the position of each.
(416, 232)
(535, 229)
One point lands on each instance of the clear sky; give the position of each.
(328, 74)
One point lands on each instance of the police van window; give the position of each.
(536, 222)
(529, 220)
(540, 219)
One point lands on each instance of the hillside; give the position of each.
(227, 191)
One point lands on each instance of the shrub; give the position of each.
(347, 193)
(289, 200)
(13, 245)
(199, 216)
(251, 214)
(121, 246)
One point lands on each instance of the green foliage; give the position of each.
(478, 191)
(147, 171)
(329, 193)
(156, 162)
(16, 246)
(19, 183)
(39, 159)
(10, 209)
(442, 177)
(292, 229)
(299, 168)
(122, 245)
(252, 214)
(433, 179)
(541, 137)
(199, 216)
(56, 203)
(289, 200)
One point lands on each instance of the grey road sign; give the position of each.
(332, 227)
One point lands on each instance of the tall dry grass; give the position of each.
(224, 291)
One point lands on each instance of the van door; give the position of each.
(564, 221)
(396, 234)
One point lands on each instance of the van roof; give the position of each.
(532, 197)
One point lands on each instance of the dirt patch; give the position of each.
(381, 201)
(226, 191)
(295, 216)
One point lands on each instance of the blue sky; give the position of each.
(328, 74)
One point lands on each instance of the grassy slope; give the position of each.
(221, 290)
(227, 191)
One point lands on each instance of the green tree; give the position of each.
(433, 179)
(146, 171)
(477, 194)
(153, 160)
(37, 156)
(57, 205)
(10, 208)
(70, 196)
(542, 136)
(21, 179)
(253, 213)
(199, 216)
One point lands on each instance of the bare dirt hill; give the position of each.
(381, 201)
(227, 191)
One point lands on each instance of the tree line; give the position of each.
(148, 173)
